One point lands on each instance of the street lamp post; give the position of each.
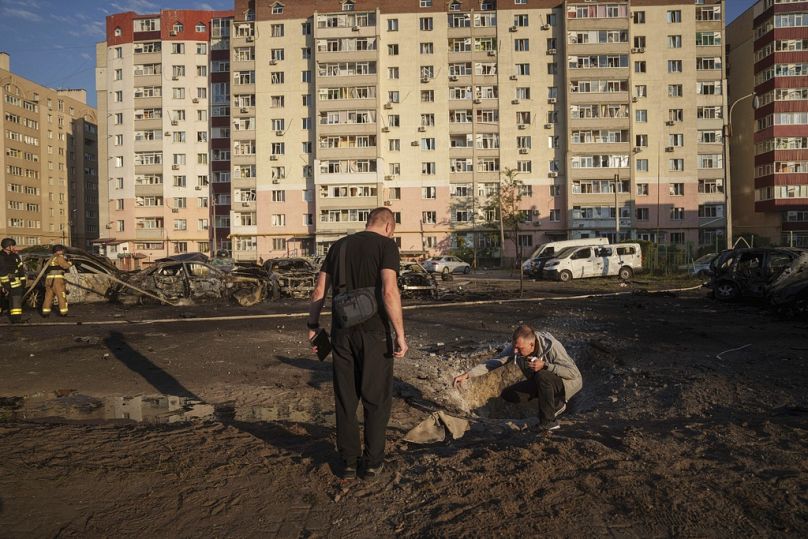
(727, 132)
(616, 210)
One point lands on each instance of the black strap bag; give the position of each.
(352, 307)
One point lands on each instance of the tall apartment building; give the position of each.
(161, 131)
(342, 106)
(314, 112)
(770, 144)
(49, 155)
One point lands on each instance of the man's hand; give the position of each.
(400, 346)
(312, 333)
(536, 364)
(460, 379)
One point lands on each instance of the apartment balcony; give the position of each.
(599, 123)
(148, 102)
(346, 129)
(236, 160)
(586, 49)
(594, 73)
(346, 80)
(149, 169)
(148, 190)
(607, 223)
(243, 206)
(143, 58)
(463, 31)
(242, 134)
(243, 183)
(242, 65)
(347, 104)
(597, 24)
(150, 145)
(345, 31)
(149, 123)
(368, 152)
(459, 128)
(347, 56)
(578, 98)
(241, 41)
(237, 88)
(339, 228)
(347, 203)
(151, 80)
(588, 173)
(149, 234)
(237, 111)
(601, 147)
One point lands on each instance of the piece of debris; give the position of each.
(433, 429)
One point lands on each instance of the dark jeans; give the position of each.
(544, 386)
(363, 369)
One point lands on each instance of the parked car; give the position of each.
(699, 267)
(91, 279)
(414, 280)
(747, 272)
(534, 265)
(197, 281)
(292, 277)
(446, 264)
(620, 259)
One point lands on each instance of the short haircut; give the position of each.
(525, 332)
(381, 216)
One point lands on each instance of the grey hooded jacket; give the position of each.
(549, 350)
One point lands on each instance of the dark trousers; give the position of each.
(547, 388)
(363, 369)
(15, 294)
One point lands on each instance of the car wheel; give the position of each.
(445, 270)
(625, 273)
(565, 276)
(34, 299)
(467, 270)
(726, 291)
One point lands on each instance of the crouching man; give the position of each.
(552, 377)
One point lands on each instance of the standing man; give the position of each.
(12, 278)
(363, 354)
(552, 377)
(55, 281)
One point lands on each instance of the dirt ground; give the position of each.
(692, 422)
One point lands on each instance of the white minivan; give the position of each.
(621, 259)
(534, 264)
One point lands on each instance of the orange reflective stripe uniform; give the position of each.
(55, 284)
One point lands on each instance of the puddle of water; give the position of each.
(86, 409)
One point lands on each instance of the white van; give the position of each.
(621, 259)
(534, 264)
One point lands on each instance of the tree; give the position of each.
(505, 202)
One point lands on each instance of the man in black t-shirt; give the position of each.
(363, 354)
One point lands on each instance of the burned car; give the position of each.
(414, 280)
(91, 279)
(291, 277)
(788, 293)
(747, 272)
(195, 281)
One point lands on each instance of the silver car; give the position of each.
(446, 264)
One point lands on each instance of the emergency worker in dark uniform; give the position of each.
(55, 281)
(12, 278)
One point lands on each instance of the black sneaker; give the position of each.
(548, 427)
(349, 472)
(374, 471)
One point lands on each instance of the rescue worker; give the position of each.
(55, 281)
(12, 278)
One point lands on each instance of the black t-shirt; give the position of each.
(366, 256)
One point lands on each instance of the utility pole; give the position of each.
(616, 210)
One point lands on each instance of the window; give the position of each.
(639, 67)
(392, 25)
(642, 189)
(676, 189)
(675, 90)
(392, 72)
(429, 192)
(677, 214)
(178, 48)
(429, 217)
(642, 214)
(676, 165)
(638, 17)
(642, 165)
(674, 16)
(674, 66)
(427, 96)
(392, 49)
(675, 42)
(425, 24)
(276, 30)
(427, 48)
(641, 115)
(521, 45)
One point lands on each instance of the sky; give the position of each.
(52, 42)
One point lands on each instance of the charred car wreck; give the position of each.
(290, 277)
(414, 280)
(197, 281)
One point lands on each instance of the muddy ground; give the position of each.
(692, 422)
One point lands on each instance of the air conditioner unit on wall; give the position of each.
(422, 129)
(250, 38)
(552, 174)
(453, 78)
(669, 148)
(552, 100)
(551, 51)
(513, 77)
(512, 29)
